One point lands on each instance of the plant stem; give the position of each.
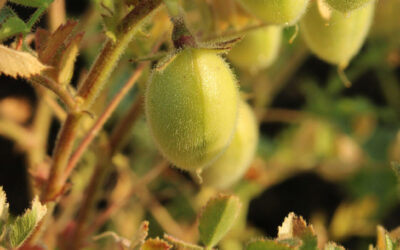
(76, 156)
(90, 88)
(56, 15)
(112, 51)
(58, 89)
(35, 17)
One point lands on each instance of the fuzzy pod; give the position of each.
(281, 12)
(234, 162)
(191, 107)
(337, 38)
(346, 6)
(258, 49)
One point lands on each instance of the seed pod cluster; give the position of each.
(281, 12)
(258, 49)
(191, 107)
(347, 5)
(232, 165)
(336, 37)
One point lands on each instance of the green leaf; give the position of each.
(217, 218)
(24, 225)
(264, 244)
(10, 23)
(33, 3)
(4, 206)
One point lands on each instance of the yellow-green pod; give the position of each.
(282, 12)
(232, 165)
(258, 49)
(336, 37)
(347, 5)
(191, 107)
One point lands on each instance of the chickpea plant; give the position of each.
(195, 88)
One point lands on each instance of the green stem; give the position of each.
(35, 17)
(112, 51)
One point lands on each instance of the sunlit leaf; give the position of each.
(17, 63)
(217, 218)
(67, 60)
(24, 225)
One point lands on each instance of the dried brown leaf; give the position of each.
(294, 226)
(55, 41)
(17, 63)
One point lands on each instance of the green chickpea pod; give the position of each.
(234, 162)
(281, 12)
(338, 38)
(191, 107)
(347, 5)
(258, 49)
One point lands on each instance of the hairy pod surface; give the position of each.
(258, 50)
(346, 5)
(338, 38)
(282, 12)
(234, 162)
(191, 106)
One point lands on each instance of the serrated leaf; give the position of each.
(67, 60)
(181, 245)
(23, 226)
(140, 236)
(333, 246)
(4, 207)
(33, 3)
(295, 227)
(55, 41)
(156, 244)
(264, 244)
(16, 63)
(217, 218)
(10, 23)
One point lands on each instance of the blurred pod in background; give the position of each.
(333, 36)
(258, 49)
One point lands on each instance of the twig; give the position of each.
(102, 120)
(90, 88)
(58, 89)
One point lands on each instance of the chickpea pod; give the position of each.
(191, 107)
(346, 5)
(232, 165)
(337, 37)
(281, 12)
(258, 49)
